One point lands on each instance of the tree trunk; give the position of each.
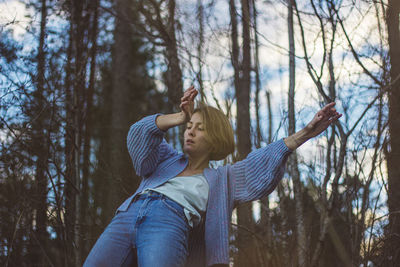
(69, 175)
(121, 86)
(392, 253)
(259, 137)
(75, 86)
(265, 220)
(293, 164)
(286, 257)
(200, 15)
(39, 238)
(235, 45)
(174, 72)
(247, 252)
(80, 20)
(270, 125)
(262, 252)
(84, 202)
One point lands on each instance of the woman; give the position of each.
(180, 214)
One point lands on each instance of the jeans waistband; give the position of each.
(147, 194)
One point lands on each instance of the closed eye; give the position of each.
(200, 129)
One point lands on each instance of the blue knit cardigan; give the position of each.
(233, 184)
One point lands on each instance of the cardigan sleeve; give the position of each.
(147, 146)
(259, 173)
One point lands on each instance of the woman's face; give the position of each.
(195, 143)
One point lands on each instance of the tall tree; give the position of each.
(88, 132)
(121, 86)
(174, 73)
(132, 90)
(126, 92)
(393, 160)
(200, 16)
(264, 225)
(245, 216)
(159, 26)
(235, 45)
(256, 68)
(292, 162)
(69, 147)
(40, 149)
(75, 86)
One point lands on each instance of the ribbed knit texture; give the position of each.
(233, 184)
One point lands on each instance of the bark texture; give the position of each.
(393, 238)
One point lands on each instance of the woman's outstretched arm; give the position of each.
(260, 172)
(321, 121)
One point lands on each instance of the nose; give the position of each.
(191, 131)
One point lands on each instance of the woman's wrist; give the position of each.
(184, 117)
(297, 139)
(164, 122)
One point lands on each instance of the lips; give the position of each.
(189, 141)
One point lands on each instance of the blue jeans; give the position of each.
(153, 232)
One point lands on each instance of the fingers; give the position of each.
(329, 112)
(187, 99)
(328, 106)
(335, 117)
(183, 103)
(189, 94)
(190, 90)
(193, 95)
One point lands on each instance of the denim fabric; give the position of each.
(152, 232)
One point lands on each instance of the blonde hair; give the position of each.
(218, 129)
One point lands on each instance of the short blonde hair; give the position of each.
(218, 129)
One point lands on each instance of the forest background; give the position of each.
(74, 75)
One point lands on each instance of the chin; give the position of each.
(186, 149)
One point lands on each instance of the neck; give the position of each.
(197, 164)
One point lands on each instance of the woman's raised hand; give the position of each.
(164, 122)
(187, 102)
(321, 121)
